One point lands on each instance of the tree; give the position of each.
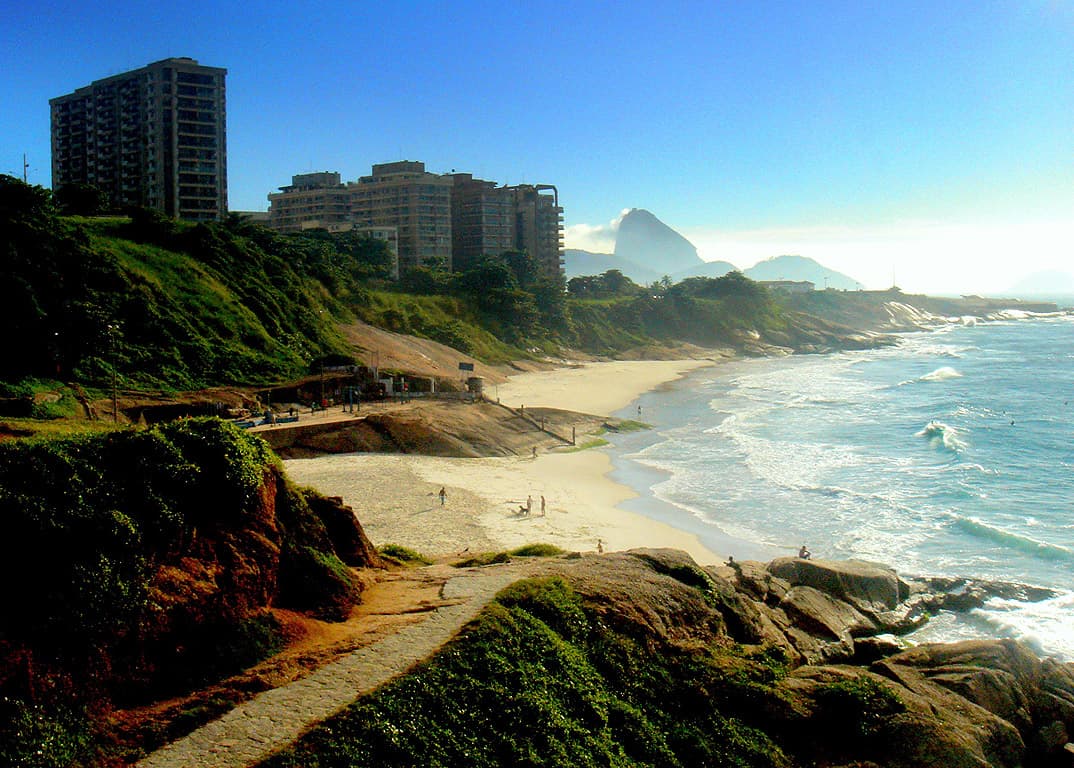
(78, 199)
(23, 202)
(609, 284)
(524, 267)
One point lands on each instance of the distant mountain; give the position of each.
(705, 269)
(1049, 282)
(800, 268)
(650, 243)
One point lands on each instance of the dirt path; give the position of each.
(273, 719)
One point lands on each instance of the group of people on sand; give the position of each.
(527, 508)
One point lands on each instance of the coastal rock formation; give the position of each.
(434, 428)
(868, 586)
(645, 658)
(852, 694)
(344, 530)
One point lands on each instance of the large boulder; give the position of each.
(868, 586)
(1004, 679)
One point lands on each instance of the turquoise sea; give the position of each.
(951, 453)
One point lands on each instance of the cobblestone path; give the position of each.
(276, 718)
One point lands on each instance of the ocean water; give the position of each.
(949, 454)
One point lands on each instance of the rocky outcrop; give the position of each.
(868, 586)
(344, 530)
(853, 694)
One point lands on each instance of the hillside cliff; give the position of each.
(140, 563)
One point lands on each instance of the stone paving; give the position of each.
(276, 718)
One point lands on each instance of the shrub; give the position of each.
(861, 706)
(403, 555)
(36, 736)
(537, 550)
(215, 648)
(316, 581)
(484, 558)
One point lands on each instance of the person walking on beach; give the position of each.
(542, 505)
(529, 504)
(443, 495)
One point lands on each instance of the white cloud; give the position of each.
(597, 238)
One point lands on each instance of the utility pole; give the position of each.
(25, 167)
(112, 328)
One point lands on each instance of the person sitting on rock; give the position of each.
(804, 553)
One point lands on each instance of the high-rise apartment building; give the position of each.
(153, 137)
(482, 220)
(312, 201)
(539, 226)
(417, 203)
(453, 218)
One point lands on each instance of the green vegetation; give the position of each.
(537, 550)
(630, 425)
(861, 706)
(402, 555)
(173, 306)
(445, 319)
(496, 558)
(144, 561)
(610, 313)
(483, 558)
(540, 680)
(170, 305)
(596, 442)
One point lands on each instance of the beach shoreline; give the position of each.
(396, 496)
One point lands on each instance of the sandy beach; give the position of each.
(396, 495)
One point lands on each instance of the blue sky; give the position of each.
(934, 140)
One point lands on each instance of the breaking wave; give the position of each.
(940, 374)
(943, 436)
(1024, 544)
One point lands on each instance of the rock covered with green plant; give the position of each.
(140, 563)
(645, 658)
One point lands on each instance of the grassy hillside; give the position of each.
(171, 306)
(540, 679)
(610, 316)
(175, 306)
(446, 319)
